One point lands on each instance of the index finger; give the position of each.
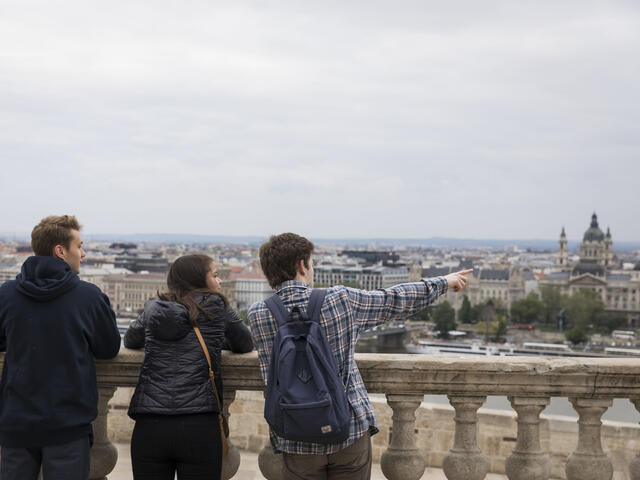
(465, 272)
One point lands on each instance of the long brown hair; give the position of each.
(186, 280)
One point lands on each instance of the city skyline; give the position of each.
(535, 244)
(499, 120)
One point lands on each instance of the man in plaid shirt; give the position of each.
(346, 312)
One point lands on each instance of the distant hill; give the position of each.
(434, 242)
(175, 238)
(254, 240)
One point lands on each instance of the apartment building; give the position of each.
(367, 278)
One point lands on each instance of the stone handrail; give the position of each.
(435, 374)
(590, 384)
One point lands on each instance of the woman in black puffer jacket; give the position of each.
(176, 411)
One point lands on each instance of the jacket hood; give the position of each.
(167, 320)
(45, 278)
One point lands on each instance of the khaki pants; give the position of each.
(351, 463)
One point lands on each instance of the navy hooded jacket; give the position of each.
(52, 325)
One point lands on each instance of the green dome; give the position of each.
(593, 234)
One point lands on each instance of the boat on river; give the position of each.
(526, 349)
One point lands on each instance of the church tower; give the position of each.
(608, 249)
(563, 251)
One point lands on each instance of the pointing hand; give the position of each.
(458, 281)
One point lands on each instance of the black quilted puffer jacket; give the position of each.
(174, 378)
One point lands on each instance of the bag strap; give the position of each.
(274, 303)
(206, 354)
(213, 383)
(282, 315)
(315, 304)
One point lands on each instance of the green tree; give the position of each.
(527, 310)
(576, 335)
(422, 315)
(585, 309)
(500, 327)
(610, 322)
(553, 302)
(444, 317)
(487, 317)
(464, 314)
(476, 312)
(500, 307)
(495, 329)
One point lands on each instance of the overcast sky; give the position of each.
(331, 119)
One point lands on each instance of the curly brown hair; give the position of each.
(281, 255)
(51, 231)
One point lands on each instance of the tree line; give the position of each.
(578, 316)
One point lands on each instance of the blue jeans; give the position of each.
(69, 461)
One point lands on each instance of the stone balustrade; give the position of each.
(529, 382)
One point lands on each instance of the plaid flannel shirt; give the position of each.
(345, 313)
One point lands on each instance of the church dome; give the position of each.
(593, 234)
(589, 267)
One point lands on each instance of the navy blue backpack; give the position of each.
(305, 399)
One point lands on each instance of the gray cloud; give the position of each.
(474, 119)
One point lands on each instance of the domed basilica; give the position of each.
(598, 270)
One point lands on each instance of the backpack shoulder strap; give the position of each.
(315, 304)
(274, 303)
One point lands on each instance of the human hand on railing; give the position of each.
(457, 280)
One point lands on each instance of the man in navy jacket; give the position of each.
(52, 325)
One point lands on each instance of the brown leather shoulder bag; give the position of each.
(224, 425)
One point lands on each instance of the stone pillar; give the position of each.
(231, 462)
(402, 460)
(589, 462)
(270, 464)
(634, 466)
(465, 461)
(528, 461)
(104, 454)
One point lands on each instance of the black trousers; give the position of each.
(69, 461)
(190, 445)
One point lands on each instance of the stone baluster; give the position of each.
(589, 462)
(528, 461)
(465, 461)
(270, 464)
(634, 466)
(231, 462)
(104, 454)
(402, 460)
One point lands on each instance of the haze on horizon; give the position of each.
(334, 120)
